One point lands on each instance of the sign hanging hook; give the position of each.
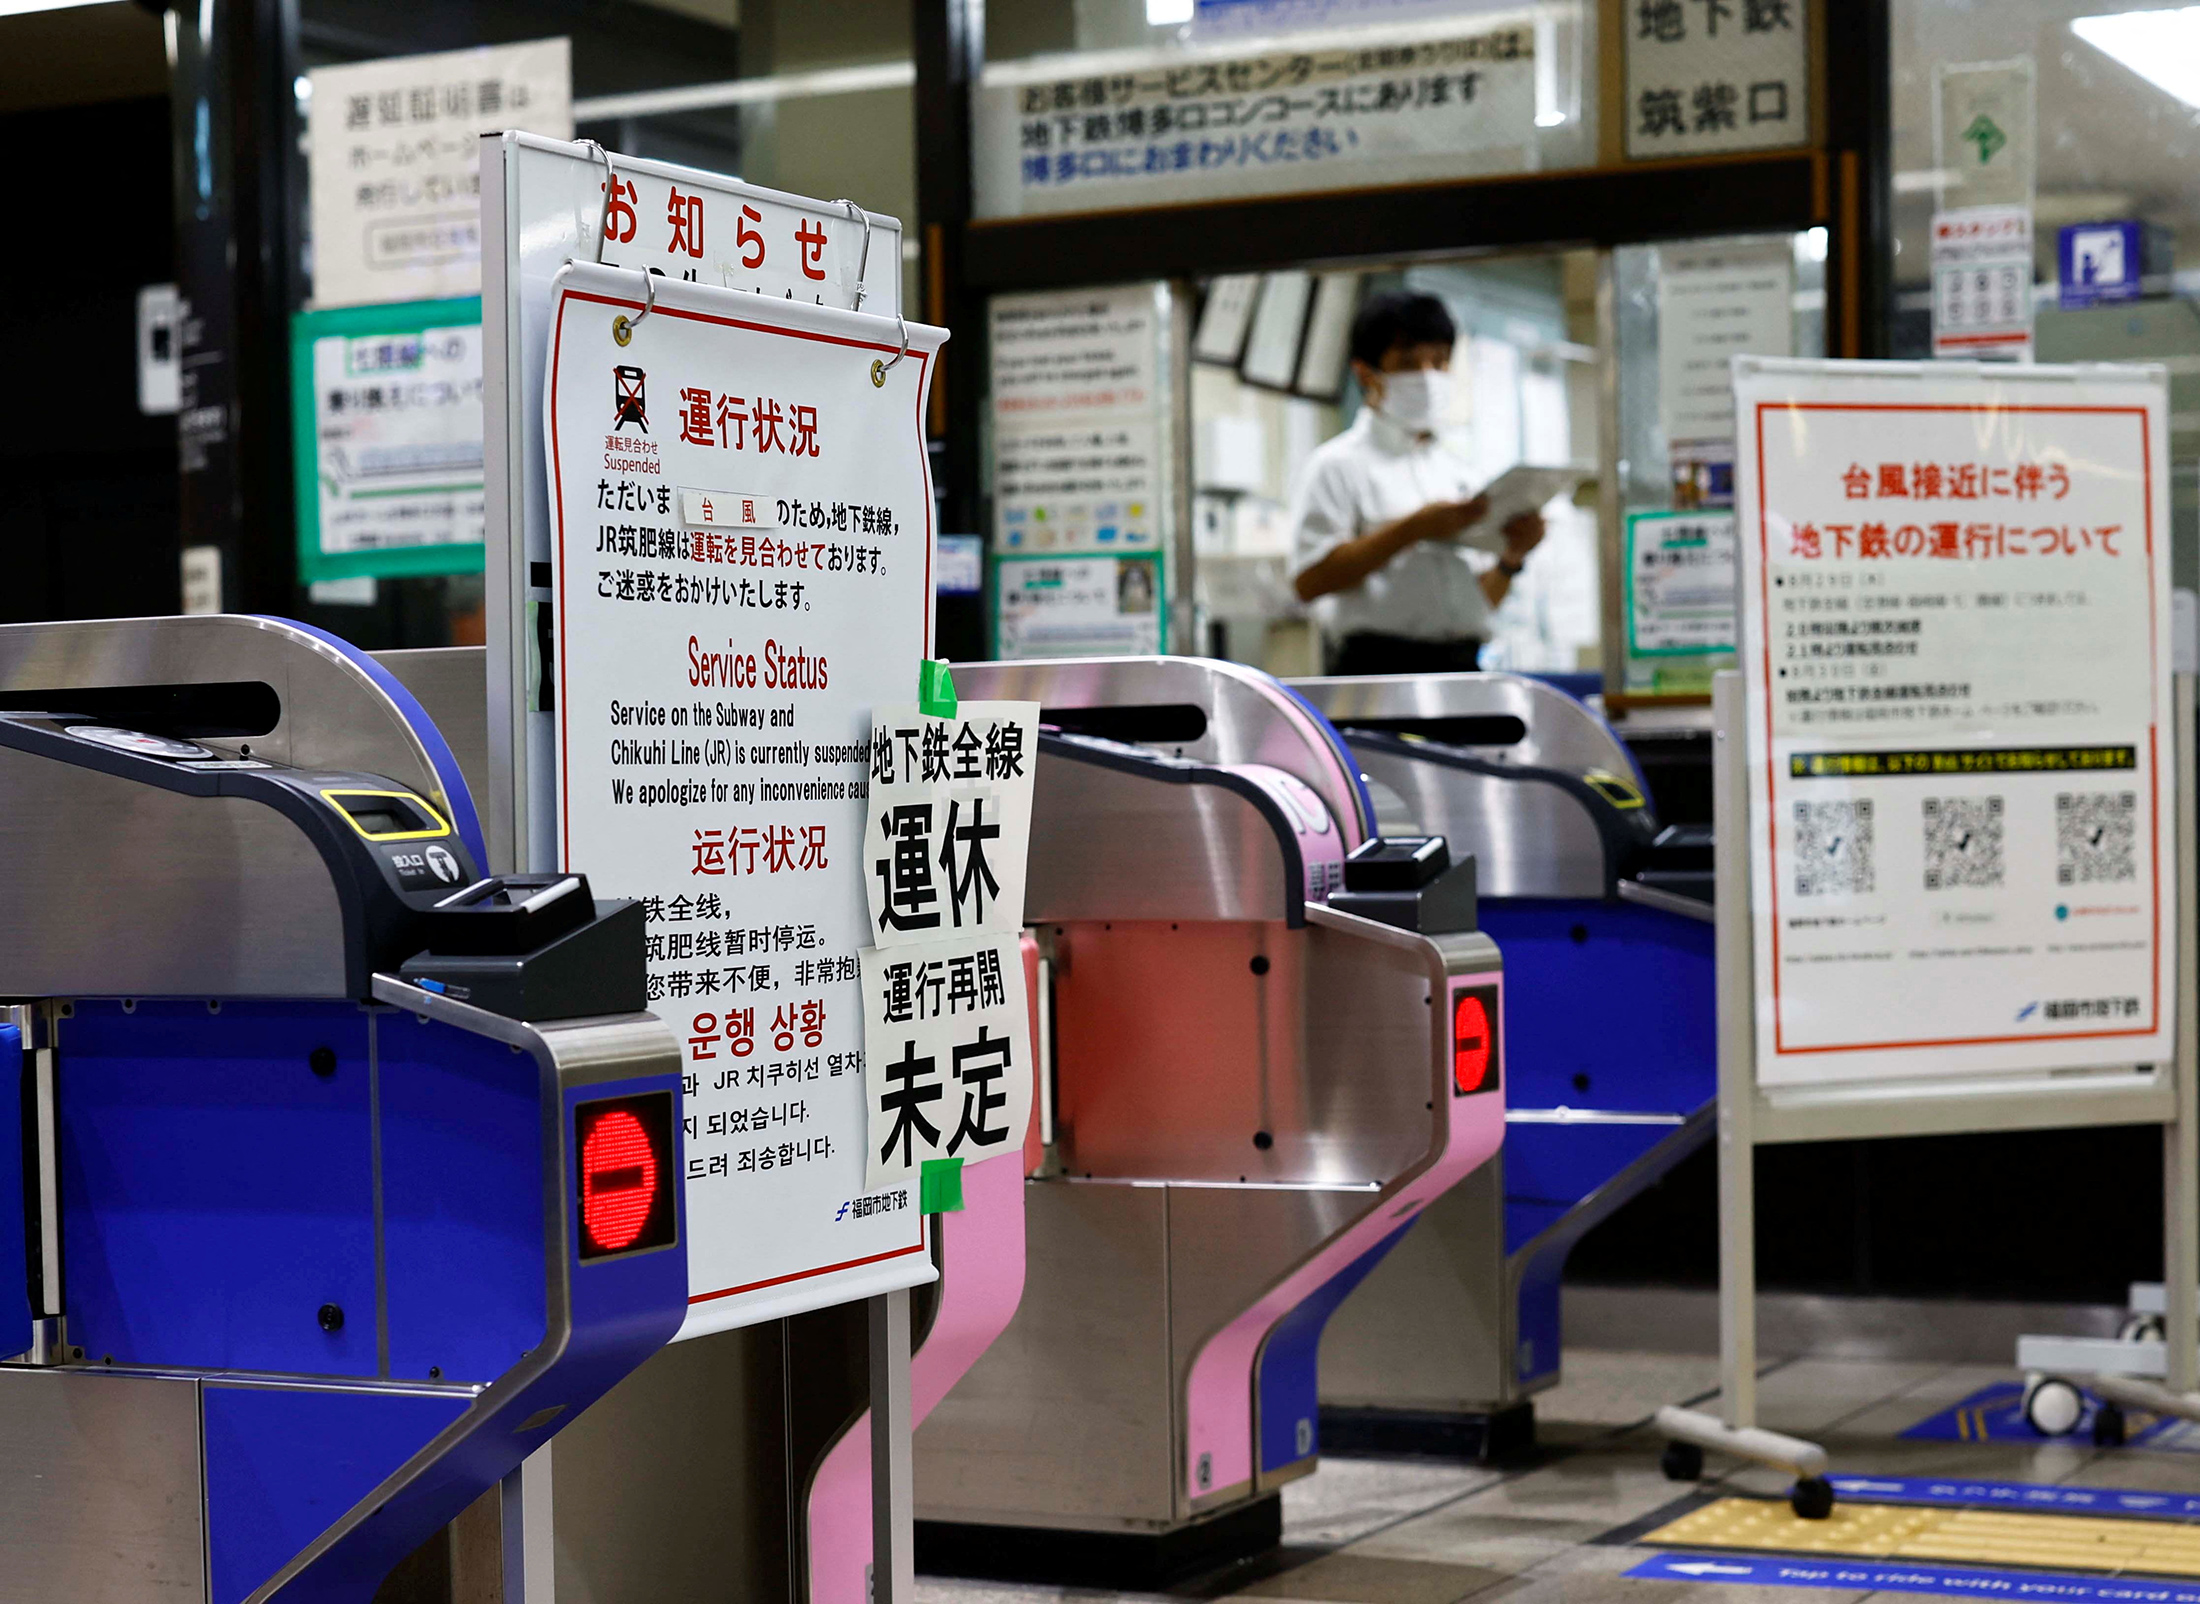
(879, 367)
(610, 195)
(623, 327)
(863, 260)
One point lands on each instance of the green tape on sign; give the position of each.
(935, 697)
(940, 1184)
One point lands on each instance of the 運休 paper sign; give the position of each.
(947, 1041)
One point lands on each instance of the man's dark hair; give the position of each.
(1396, 318)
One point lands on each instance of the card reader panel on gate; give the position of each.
(404, 889)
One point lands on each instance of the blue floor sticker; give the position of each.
(1970, 1493)
(1894, 1576)
(1996, 1414)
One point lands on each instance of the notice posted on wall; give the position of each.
(1955, 603)
(742, 519)
(389, 431)
(1079, 606)
(1079, 417)
(394, 151)
(946, 1024)
(1680, 584)
(1982, 284)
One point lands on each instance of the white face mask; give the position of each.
(1418, 399)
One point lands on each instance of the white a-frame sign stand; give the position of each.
(1954, 797)
(707, 482)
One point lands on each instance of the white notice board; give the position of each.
(1956, 651)
(1717, 302)
(394, 151)
(543, 205)
(741, 516)
(1080, 419)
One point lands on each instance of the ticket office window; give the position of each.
(1525, 371)
(2112, 135)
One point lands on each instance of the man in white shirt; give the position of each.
(1380, 509)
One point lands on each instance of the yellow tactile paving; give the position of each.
(1966, 1536)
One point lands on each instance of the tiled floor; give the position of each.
(1364, 1531)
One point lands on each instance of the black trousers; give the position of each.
(1369, 653)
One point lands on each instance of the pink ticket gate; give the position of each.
(1254, 1088)
(980, 1251)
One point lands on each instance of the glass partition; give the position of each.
(2115, 139)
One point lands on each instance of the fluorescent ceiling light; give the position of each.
(1167, 13)
(2163, 47)
(17, 8)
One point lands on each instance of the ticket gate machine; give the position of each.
(1605, 922)
(352, 1171)
(1252, 1093)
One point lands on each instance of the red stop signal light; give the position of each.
(1474, 1066)
(623, 1187)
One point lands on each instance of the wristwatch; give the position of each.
(1510, 567)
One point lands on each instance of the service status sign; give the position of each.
(1955, 601)
(741, 518)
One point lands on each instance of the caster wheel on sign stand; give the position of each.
(1682, 1461)
(2108, 1427)
(1812, 1498)
(2053, 1407)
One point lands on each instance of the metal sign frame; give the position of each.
(2155, 1094)
(543, 204)
(1977, 1095)
(2113, 1095)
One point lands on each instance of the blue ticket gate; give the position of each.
(349, 1174)
(1605, 920)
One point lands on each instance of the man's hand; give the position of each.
(1523, 534)
(1447, 520)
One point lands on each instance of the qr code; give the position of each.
(1962, 841)
(1833, 848)
(2096, 836)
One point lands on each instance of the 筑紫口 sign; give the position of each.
(741, 519)
(1955, 616)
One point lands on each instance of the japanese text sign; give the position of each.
(388, 418)
(947, 1049)
(1955, 615)
(944, 1010)
(1982, 283)
(714, 681)
(950, 820)
(1709, 76)
(1680, 583)
(1145, 128)
(394, 149)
